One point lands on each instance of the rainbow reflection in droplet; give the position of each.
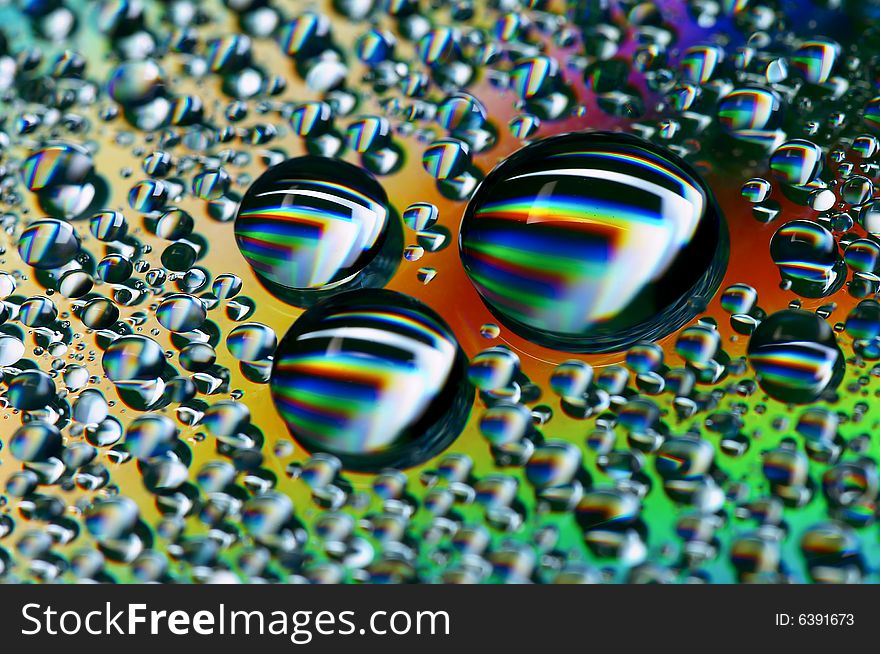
(593, 241)
(373, 377)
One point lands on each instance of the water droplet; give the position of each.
(150, 435)
(807, 256)
(30, 390)
(420, 216)
(108, 226)
(312, 223)
(35, 441)
(698, 64)
(404, 387)
(756, 190)
(99, 313)
(48, 244)
(136, 83)
(493, 369)
(446, 158)
(598, 266)
(111, 518)
(505, 423)
(739, 298)
(796, 356)
(11, 350)
(815, 59)
(62, 177)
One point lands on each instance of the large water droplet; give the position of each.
(133, 358)
(797, 162)
(373, 377)
(312, 224)
(751, 115)
(807, 256)
(593, 241)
